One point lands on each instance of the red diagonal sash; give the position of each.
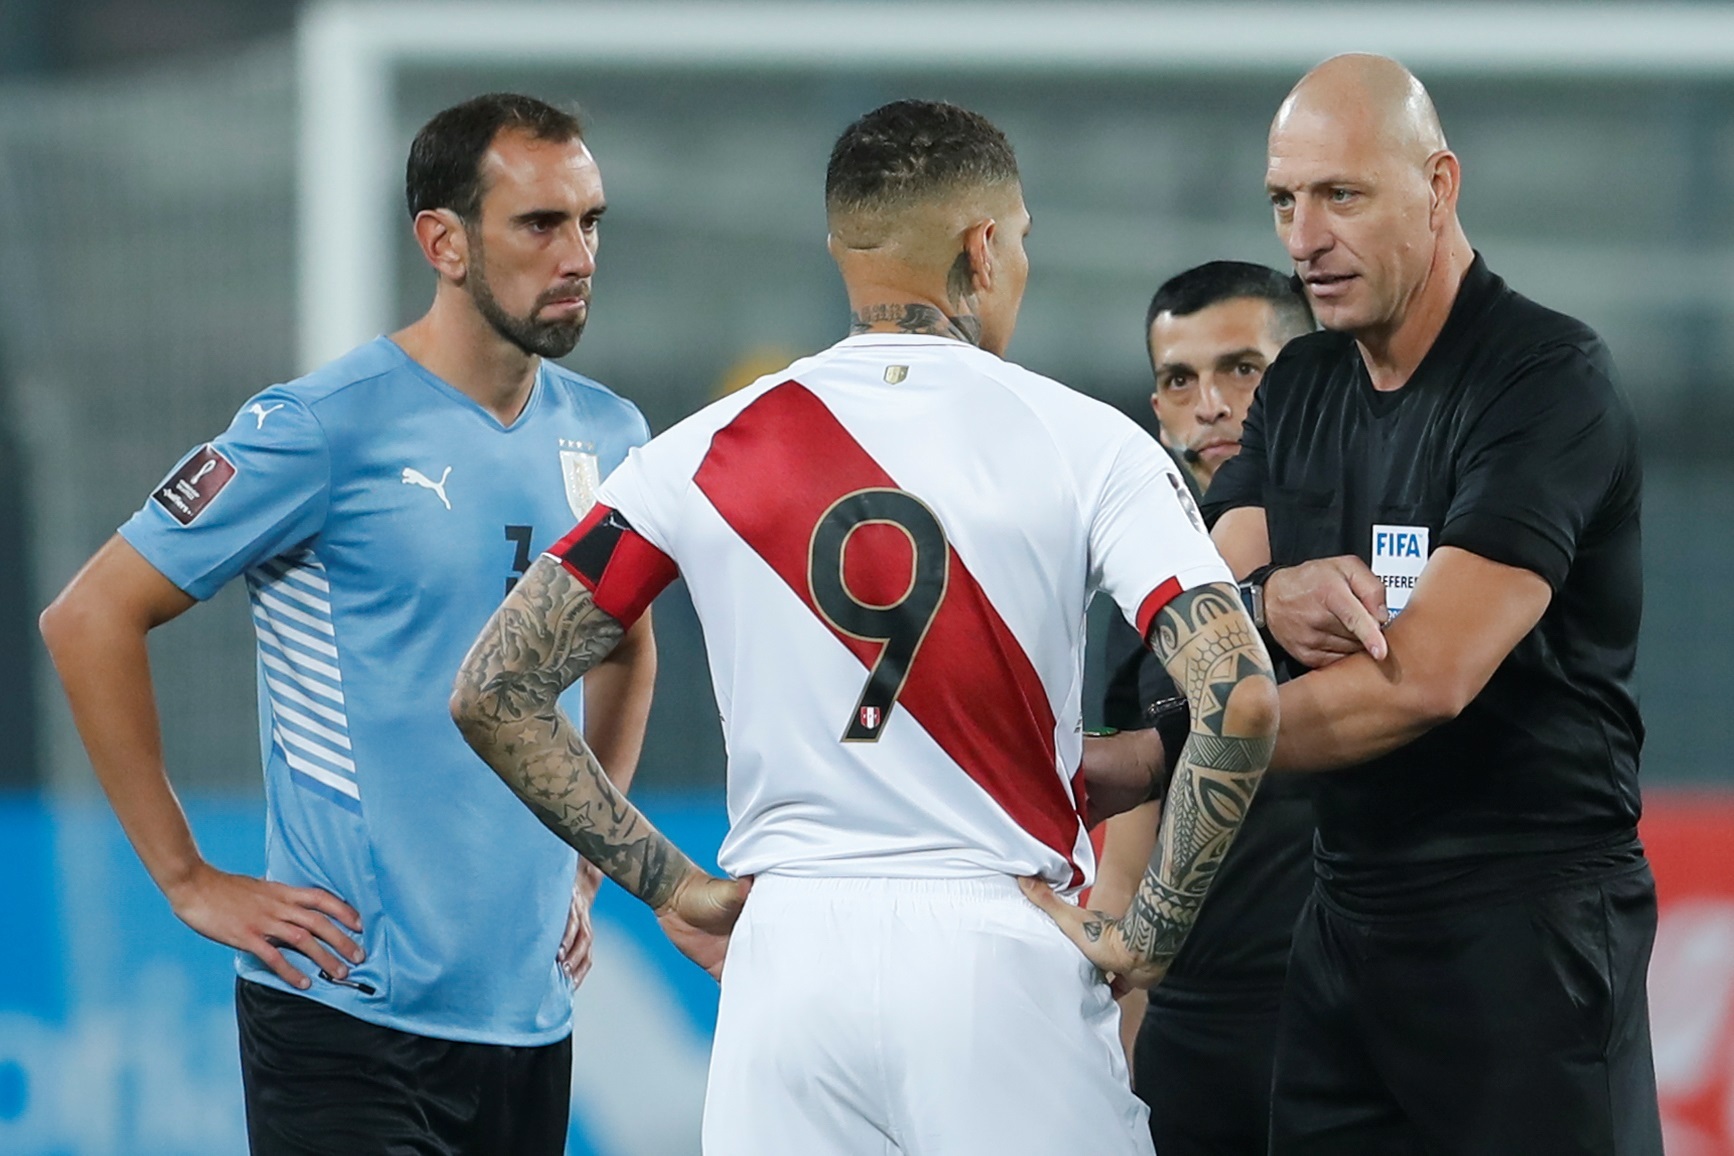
(772, 473)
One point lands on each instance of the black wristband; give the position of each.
(1258, 578)
(1252, 592)
(1171, 719)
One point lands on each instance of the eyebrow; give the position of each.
(526, 217)
(1246, 353)
(1331, 182)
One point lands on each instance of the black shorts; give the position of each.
(1204, 1068)
(319, 1082)
(1511, 1028)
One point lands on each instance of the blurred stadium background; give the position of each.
(198, 198)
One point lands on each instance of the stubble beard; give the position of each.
(553, 339)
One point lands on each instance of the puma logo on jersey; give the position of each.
(262, 413)
(414, 477)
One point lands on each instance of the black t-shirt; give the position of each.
(1512, 441)
(1239, 945)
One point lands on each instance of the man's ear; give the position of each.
(978, 249)
(1444, 178)
(444, 242)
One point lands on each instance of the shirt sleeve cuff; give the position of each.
(1168, 591)
(194, 586)
(1511, 543)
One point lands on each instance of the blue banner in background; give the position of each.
(117, 1022)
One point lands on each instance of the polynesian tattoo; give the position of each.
(913, 318)
(541, 640)
(1210, 649)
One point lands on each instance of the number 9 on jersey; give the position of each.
(900, 624)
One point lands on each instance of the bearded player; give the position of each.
(890, 546)
(400, 987)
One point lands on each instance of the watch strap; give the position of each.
(1252, 593)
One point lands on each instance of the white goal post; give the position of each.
(350, 52)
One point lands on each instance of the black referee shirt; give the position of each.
(1512, 441)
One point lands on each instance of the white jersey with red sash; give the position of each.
(891, 547)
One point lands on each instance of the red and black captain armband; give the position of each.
(622, 571)
(1153, 604)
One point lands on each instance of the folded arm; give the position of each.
(1466, 615)
(1122, 771)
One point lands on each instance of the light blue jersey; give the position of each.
(379, 516)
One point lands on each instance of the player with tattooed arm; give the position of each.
(891, 546)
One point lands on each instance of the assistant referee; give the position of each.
(1468, 976)
(1206, 1035)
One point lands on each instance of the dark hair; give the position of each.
(1217, 281)
(913, 150)
(445, 159)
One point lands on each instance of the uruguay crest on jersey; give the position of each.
(582, 474)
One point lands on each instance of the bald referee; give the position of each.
(1435, 509)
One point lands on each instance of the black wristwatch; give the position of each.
(1252, 593)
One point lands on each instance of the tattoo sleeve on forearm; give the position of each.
(545, 636)
(1211, 650)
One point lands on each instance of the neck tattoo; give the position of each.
(916, 319)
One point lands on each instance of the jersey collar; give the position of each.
(1478, 290)
(536, 388)
(857, 340)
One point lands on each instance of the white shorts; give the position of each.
(866, 1017)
